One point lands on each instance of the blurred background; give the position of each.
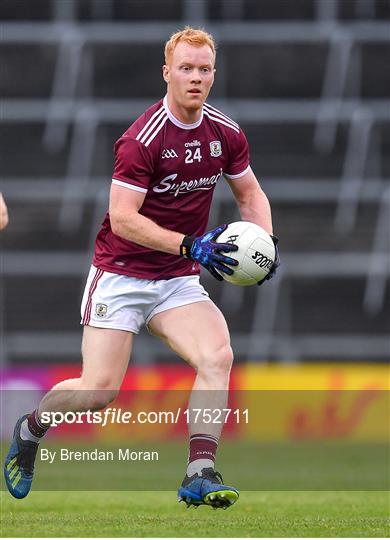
(308, 81)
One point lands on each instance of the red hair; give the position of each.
(193, 36)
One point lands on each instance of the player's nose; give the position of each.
(196, 78)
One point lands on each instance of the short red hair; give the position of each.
(194, 36)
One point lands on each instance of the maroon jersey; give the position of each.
(177, 166)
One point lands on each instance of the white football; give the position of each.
(255, 254)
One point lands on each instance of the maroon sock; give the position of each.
(34, 425)
(202, 446)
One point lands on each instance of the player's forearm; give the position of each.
(256, 209)
(143, 231)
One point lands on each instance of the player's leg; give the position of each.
(198, 333)
(105, 354)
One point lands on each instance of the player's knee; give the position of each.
(99, 399)
(103, 398)
(99, 394)
(224, 359)
(218, 362)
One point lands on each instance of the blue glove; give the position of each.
(205, 251)
(276, 264)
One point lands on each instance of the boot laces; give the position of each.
(26, 457)
(212, 475)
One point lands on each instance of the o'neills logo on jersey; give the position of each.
(195, 142)
(168, 184)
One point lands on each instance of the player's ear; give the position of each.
(165, 71)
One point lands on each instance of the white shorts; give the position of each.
(126, 303)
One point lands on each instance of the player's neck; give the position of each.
(183, 115)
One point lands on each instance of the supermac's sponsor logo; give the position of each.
(168, 184)
(168, 153)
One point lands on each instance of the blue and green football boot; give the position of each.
(207, 489)
(19, 463)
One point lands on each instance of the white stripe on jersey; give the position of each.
(158, 112)
(235, 176)
(129, 186)
(152, 128)
(156, 131)
(216, 112)
(216, 119)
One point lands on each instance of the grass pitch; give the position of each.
(312, 489)
(251, 466)
(157, 514)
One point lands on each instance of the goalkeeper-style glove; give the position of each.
(206, 251)
(276, 264)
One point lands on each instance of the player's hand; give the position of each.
(207, 252)
(276, 264)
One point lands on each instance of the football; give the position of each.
(255, 255)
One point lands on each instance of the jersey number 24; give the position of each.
(191, 157)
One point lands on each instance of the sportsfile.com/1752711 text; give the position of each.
(113, 415)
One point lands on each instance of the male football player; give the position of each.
(147, 260)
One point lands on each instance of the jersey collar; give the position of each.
(177, 122)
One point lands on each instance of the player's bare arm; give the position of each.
(252, 201)
(3, 213)
(254, 206)
(128, 223)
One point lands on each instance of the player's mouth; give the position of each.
(195, 91)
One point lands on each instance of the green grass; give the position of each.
(157, 514)
(251, 466)
(309, 489)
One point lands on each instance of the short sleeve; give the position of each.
(239, 156)
(133, 166)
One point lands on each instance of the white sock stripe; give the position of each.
(148, 122)
(217, 112)
(42, 426)
(204, 438)
(221, 121)
(25, 433)
(203, 435)
(156, 132)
